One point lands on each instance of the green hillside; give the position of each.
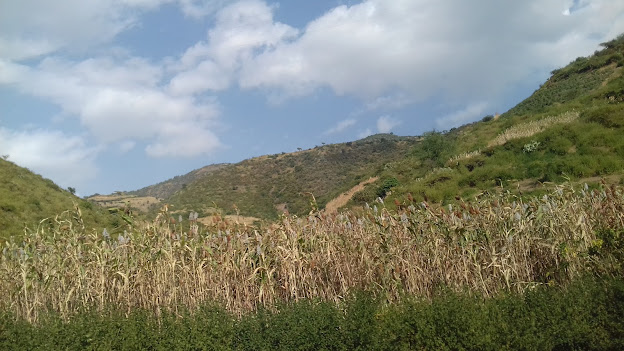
(266, 186)
(568, 129)
(571, 128)
(169, 187)
(27, 198)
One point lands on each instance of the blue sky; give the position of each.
(107, 95)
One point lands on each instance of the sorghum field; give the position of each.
(342, 277)
(499, 243)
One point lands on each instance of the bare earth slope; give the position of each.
(344, 198)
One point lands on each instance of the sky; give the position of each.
(115, 95)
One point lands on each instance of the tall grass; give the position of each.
(498, 243)
(463, 156)
(525, 130)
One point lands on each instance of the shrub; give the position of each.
(610, 116)
(387, 184)
(531, 147)
(436, 147)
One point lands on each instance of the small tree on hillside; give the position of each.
(71, 190)
(436, 147)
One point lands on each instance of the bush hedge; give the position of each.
(586, 315)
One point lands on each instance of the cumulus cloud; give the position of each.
(464, 50)
(365, 133)
(32, 28)
(241, 30)
(120, 100)
(183, 140)
(69, 160)
(201, 8)
(341, 126)
(126, 146)
(386, 123)
(391, 102)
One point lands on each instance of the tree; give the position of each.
(71, 190)
(436, 147)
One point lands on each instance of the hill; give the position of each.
(169, 187)
(571, 128)
(150, 198)
(269, 185)
(568, 129)
(27, 198)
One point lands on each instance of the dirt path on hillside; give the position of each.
(343, 198)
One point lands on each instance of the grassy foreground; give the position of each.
(502, 272)
(586, 315)
(499, 243)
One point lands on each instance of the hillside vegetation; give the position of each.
(27, 198)
(164, 190)
(267, 186)
(498, 244)
(571, 128)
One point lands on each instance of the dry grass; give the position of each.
(141, 203)
(340, 201)
(498, 243)
(528, 129)
(466, 155)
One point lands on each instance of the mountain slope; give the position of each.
(169, 187)
(266, 186)
(571, 128)
(27, 198)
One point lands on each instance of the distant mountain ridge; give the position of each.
(167, 188)
(268, 185)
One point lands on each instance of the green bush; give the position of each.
(366, 195)
(586, 315)
(387, 184)
(610, 116)
(559, 145)
(435, 147)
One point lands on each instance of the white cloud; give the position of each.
(68, 160)
(32, 28)
(463, 50)
(126, 146)
(118, 100)
(183, 140)
(386, 123)
(392, 102)
(341, 126)
(206, 76)
(365, 133)
(29, 28)
(466, 115)
(201, 8)
(241, 30)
